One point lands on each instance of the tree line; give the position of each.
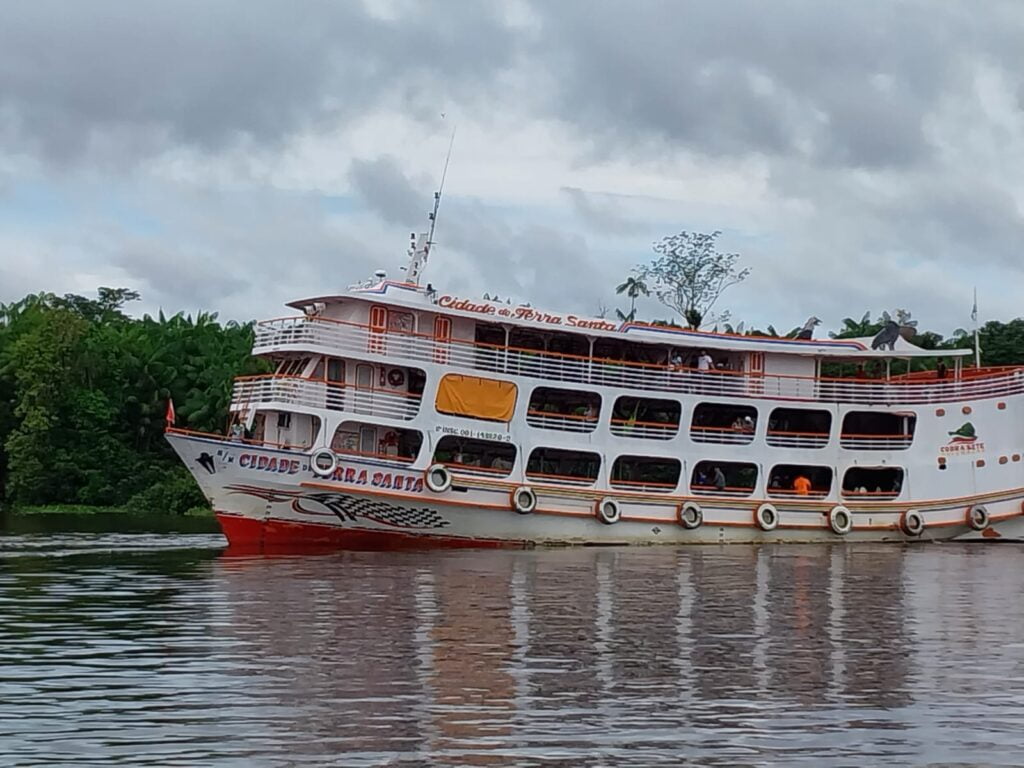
(83, 394)
(84, 388)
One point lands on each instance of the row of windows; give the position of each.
(717, 422)
(663, 474)
(646, 473)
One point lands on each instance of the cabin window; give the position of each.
(400, 322)
(723, 423)
(476, 398)
(723, 478)
(335, 370)
(798, 428)
(377, 441)
(417, 381)
(364, 377)
(799, 481)
(871, 483)
(645, 473)
(563, 465)
(645, 417)
(367, 438)
(442, 338)
(470, 455)
(868, 430)
(378, 323)
(569, 410)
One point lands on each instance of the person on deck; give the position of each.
(801, 485)
(704, 361)
(719, 479)
(940, 369)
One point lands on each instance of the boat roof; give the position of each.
(412, 296)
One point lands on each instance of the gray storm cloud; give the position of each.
(890, 135)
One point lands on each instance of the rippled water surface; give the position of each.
(162, 649)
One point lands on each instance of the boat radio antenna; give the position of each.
(419, 249)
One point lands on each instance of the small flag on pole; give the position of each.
(170, 412)
(974, 309)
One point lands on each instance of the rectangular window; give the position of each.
(400, 322)
(335, 370)
(798, 481)
(465, 454)
(723, 478)
(872, 483)
(559, 465)
(645, 473)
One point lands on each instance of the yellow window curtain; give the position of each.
(477, 398)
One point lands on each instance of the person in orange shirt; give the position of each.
(801, 485)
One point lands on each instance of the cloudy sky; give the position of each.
(232, 155)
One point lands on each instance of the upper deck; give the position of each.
(658, 371)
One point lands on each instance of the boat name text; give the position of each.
(961, 448)
(268, 463)
(525, 313)
(394, 480)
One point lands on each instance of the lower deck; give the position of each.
(279, 488)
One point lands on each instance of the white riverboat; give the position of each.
(398, 415)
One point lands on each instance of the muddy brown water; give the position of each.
(162, 649)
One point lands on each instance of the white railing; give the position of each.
(268, 391)
(876, 442)
(562, 421)
(641, 486)
(358, 340)
(650, 430)
(781, 439)
(721, 435)
(711, 490)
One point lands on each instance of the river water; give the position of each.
(164, 649)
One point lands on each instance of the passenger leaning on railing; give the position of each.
(801, 485)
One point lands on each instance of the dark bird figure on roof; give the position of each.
(887, 336)
(807, 332)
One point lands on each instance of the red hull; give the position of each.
(245, 534)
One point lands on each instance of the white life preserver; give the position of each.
(690, 515)
(437, 478)
(608, 511)
(767, 517)
(524, 500)
(323, 462)
(978, 518)
(840, 520)
(912, 522)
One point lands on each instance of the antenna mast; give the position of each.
(419, 248)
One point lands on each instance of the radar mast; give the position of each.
(420, 245)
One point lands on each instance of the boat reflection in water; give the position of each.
(602, 656)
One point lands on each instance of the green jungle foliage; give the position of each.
(84, 390)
